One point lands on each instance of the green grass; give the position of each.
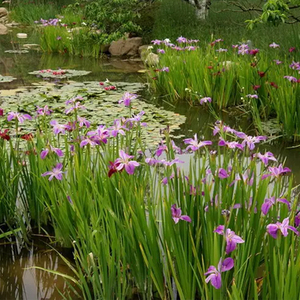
(177, 18)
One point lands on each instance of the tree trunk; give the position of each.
(201, 6)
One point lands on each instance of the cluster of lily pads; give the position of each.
(264, 84)
(139, 219)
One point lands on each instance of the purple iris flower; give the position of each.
(252, 96)
(58, 128)
(243, 49)
(88, 141)
(272, 229)
(222, 173)
(83, 122)
(117, 128)
(181, 39)
(205, 100)
(20, 117)
(127, 98)
(99, 135)
(72, 100)
(160, 149)
(124, 162)
(250, 141)
(231, 238)
(172, 162)
(176, 148)
(277, 61)
(276, 171)
(231, 145)
(297, 219)
(269, 202)
(75, 107)
(291, 78)
(161, 51)
(165, 69)
(274, 45)
(156, 42)
(215, 274)
(56, 172)
(151, 161)
(265, 157)
(43, 111)
(194, 145)
(57, 151)
(176, 215)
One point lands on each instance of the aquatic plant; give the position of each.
(122, 207)
(257, 82)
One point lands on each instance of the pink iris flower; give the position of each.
(194, 145)
(215, 273)
(20, 117)
(269, 202)
(272, 229)
(127, 98)
(176, 215)
(124, 162)
(231, 238)
(276, 171)
(56, 172)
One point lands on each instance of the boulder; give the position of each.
(3, 29)
(3, 12)
(129, 47)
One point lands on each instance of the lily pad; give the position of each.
(59, 74)
(102, 106)
(6, 78)
(271, 127)
(17, 51)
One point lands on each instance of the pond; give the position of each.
(17, 280)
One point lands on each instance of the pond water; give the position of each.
(16, 280)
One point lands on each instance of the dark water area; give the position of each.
(17, 279)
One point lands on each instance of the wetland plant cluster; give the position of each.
(139, 220)
(264, 83)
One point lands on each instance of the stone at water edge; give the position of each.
(3, 29)
(3, 12)
(22, 35)
(122, 47)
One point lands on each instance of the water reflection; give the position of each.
(19, 283)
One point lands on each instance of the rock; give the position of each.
(13, 24)
(4, 20)
(3, 12)
(3, 29)
(31, 46)
(22, 35)
(152, 59)
(123, 47)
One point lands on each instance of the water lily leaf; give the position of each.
(6, 78)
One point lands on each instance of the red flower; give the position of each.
(1, 112)
(210, 67)
(256, 87)
(4, 135)
(113, 168)
(253, 51)
(261, 74)
(27, 136)
(273, 84)
(292, 49)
